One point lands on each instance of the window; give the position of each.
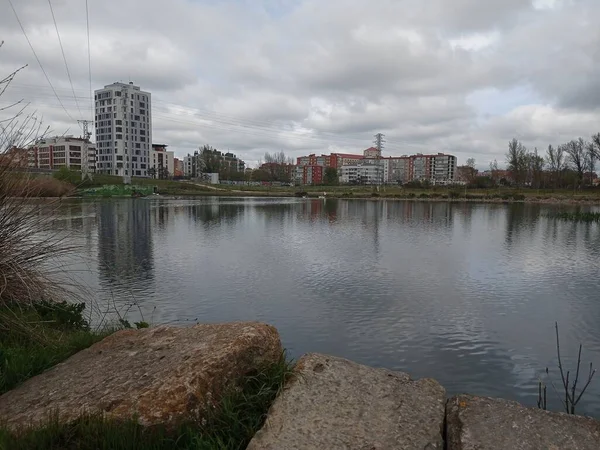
(142, 105)
(115, 116)
(136, 117)
(119, 157)
(137, 145)
(118, 122)
(119, 129)
(143, 112)
(118, 93)
(142, 139)
(119, 136)
(143, 132)
(131, 103)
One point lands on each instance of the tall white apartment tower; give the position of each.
(123, 130)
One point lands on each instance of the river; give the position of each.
(465, 293)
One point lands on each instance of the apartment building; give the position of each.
(123, 130)
(365, 172)
(52, 153)
(162, 162)
(312, 174)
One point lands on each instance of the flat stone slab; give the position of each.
(333, 403)
(481, 423)
(159, 375)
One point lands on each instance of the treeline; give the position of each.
(569, 165)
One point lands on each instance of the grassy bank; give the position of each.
(36, 337)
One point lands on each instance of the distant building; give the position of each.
(63, 151)
(370, 172)
(309, 174)
(162, 162)
(437, 168)
(178, 170)
(211, 161)
(123, 130)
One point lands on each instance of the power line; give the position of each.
(38, 60)
(64, 57)
(87, 19)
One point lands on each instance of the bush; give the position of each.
(411, 195)
(300, 194)
(454, 194)
(375, 194)
(519, 197)
(423, 195)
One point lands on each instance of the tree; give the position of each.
(536, 167)
(556, 163)
(331, 176)
(152, 172)
(494, 170)
(517, 160)
(471, 170)
(279, 166)
(593, 154)
(577, 156)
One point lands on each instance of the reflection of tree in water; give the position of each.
(125, 256)
(520, 218)
(212, 214)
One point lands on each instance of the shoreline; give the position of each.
(247, 194)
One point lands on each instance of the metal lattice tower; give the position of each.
(85, 155)
(379, 142)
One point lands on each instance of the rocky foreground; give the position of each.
(166, 374)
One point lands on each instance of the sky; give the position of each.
(312, 76)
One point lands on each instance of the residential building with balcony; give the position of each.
(52, 153)
(162, 162)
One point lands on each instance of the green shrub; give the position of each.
(300, 194)
(411, 195)
(519, 197)
(375, 194)
(454, 194)
(423, 195)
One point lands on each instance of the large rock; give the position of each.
(159, 375)
(480, 423)
(333, 403)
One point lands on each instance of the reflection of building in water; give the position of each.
(125, 243)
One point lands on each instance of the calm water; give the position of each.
(465, 293)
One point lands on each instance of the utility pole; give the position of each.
(85, 155)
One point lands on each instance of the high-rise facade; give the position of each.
(123, 130)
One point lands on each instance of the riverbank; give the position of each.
(221, 386)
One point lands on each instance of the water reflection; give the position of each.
(125, 246)
(465, 293)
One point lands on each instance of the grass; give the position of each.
(577, 216)
(231, 425)
(37, 336)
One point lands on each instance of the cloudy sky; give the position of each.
(458, 76)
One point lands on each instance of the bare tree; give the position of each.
(517, 161)
(494, 170)
(577, 156)
(278, 165)
(472, 171)
(555, 158)
(536, 167)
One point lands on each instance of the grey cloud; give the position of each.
(308, 76)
